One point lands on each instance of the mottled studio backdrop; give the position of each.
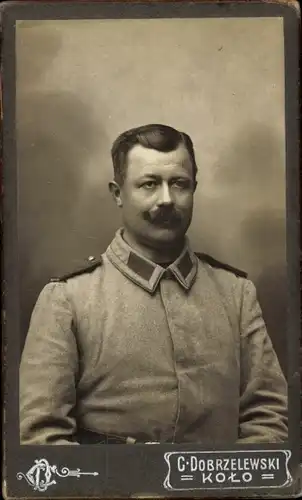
(82, 82)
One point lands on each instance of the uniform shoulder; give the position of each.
(220, 265)
(88, 266)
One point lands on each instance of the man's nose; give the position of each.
(165, 195)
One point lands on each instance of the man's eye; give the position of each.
(149, 185)
(181, 184)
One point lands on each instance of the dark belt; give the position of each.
(85, 436)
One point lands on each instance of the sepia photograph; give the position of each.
(152, 266)
(135, 155)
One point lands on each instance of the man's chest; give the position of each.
(122, 328)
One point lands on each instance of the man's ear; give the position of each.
(115, 190)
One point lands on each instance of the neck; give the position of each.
(165, 254)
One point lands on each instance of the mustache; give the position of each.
(163, 216)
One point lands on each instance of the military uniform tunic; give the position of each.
(133, 349)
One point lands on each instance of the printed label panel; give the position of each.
(241, 469)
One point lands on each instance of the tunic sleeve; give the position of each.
(48, 371)
(263, 402)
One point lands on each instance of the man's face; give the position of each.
(157, 195)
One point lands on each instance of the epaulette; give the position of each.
(216, 263)
(88, 268)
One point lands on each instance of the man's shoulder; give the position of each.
(85, 268)
(220, 266)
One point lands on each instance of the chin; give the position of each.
(164, 236)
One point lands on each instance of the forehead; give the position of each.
(144, 161)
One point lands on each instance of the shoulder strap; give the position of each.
(88, 268)
(216, 263)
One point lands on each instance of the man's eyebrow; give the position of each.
(159, 177)
(150, 176)
(181, 176)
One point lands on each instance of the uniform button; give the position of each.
(91, 258)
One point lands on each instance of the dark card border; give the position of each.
(120, 461)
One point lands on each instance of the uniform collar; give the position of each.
(146, 273)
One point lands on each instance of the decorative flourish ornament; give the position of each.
(41, 475)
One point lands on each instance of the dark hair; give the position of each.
(160, 137)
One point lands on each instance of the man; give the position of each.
(151, 343)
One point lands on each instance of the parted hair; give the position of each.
(154, 136)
